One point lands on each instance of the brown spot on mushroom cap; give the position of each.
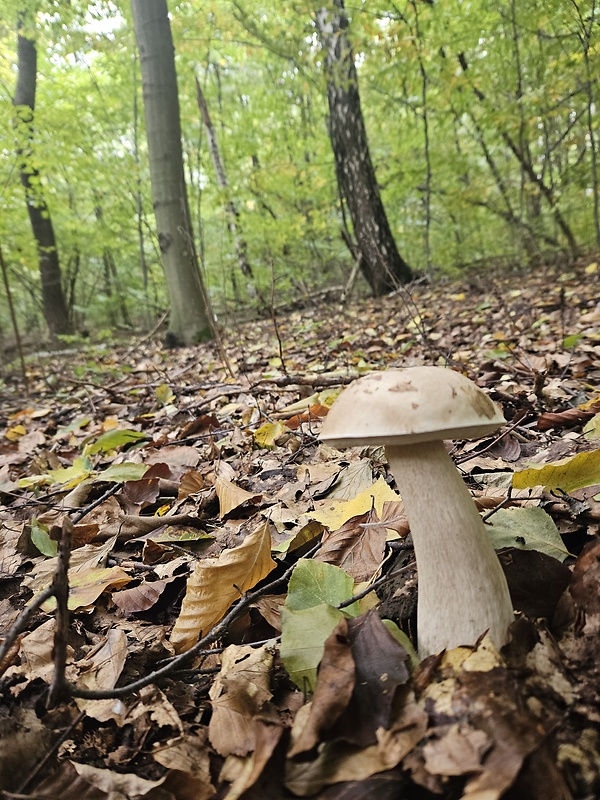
(410, 405)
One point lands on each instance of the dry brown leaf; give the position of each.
(239, 693)
(270, 607)
(139, 598)
(244, 772)
(459, 752)
(232, 496)
(339, 761)
(334, 689)
(186, 754)
(357, 547)
(101, 670)
(216, 583)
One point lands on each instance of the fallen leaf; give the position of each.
(527, 529)
(238, 696)
(569, 474)
(335, 685)
(232, 496)
(217, 583)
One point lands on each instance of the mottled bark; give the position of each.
(381, 263)
(190, 318)
(53, 298)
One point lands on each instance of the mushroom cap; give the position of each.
(403, 406)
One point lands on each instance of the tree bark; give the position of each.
(381, 263)
(191, 317)
(53, 298)
(231, 208)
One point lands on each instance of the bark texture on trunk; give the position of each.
(381, 263)
(191, 318)
(230, 206)
(53, 298)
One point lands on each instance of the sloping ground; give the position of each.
(205, 462)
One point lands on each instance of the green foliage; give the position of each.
(310, 615)
(476, 78)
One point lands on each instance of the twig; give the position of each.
(242, 604)
(48, 756)
(496, 439)
(86, 509)
(21, 622)
(274, 320)
(13, 317)
(376, 584)
(60, 587)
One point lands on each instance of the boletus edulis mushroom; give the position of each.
(462, 591)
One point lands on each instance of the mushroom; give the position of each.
(462, 588)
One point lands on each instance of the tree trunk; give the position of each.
(53, 298)
(381, 263)
(191, 317)
(231, 208)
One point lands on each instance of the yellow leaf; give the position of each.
(334, 513)
(14, 434)
(164, 394)
(592, 268)
(231, 496)
(86, 586)
(266, 435)
(216, 583)
(591, 430)
(590, 403)
(569, 474)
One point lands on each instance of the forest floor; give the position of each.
(137, 480)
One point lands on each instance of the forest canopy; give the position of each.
(480, 120)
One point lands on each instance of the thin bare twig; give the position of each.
(216, 633)
(22, 620)
(60, 587)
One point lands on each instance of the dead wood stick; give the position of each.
(60, 586)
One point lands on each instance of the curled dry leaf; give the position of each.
(232, 496)
(239, 697)
(216, 583)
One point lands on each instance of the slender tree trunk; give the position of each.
(231, 209)
(382, 265)
(53, 298)
(545, 190)
(584, 34)
(191, 318)
(139, 206)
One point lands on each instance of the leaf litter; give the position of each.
(242, 596)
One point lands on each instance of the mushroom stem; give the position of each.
(462, 588)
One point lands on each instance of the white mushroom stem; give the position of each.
(462, 588)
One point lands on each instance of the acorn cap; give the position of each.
(403, 406)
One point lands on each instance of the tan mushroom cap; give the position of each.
(402, 406)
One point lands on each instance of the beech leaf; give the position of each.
(568, 474)
(216, 583)
(527, 529)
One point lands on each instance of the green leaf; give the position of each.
(77, 472)
(571, 341)
(120, 473)
(309, 615)
(406, 643)
(315, 582)
(569, 474)
(112, 439)
(591, 430)
(164, 394)
(526, 529)
(40, 537)
(303, 636)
